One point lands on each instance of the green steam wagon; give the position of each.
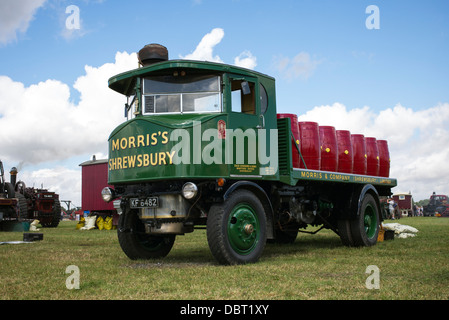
(204, 147)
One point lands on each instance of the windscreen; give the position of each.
(181, 94)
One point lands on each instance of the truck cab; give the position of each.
(205, 116)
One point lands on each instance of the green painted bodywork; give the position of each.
(141, 149)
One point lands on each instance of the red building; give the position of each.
(94, 177)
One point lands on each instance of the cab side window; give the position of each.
(243, 96)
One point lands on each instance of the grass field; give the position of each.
(314, 267)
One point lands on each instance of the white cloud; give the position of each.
(417, 141)
(246, 60)
(39, 124)
(204, 50)
(300, 66)
(15, 16)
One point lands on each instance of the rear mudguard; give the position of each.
(356, 198)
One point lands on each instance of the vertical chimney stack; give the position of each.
(152, 53)
(13, 174)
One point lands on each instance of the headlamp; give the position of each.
(107, 194)
(189, 190)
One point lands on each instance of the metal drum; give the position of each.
(329, 148)
(384, 158)
(359, 153)
(310, 144)
(345, 155)
(372, 157)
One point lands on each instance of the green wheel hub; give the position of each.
(370, 221)
(243, 229)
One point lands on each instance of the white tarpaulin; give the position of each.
(400, 230)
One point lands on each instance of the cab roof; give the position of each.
(124, 82)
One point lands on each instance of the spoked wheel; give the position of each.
(236, 229)
(137, 244)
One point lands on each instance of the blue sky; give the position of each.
(320, 52)
(403, 61)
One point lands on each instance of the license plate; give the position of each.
(151, 202)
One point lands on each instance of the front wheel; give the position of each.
(137, 244)
(236, 229)
(365, 227)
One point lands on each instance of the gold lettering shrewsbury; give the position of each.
(141, 160)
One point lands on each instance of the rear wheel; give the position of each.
(365, 227)
(236, 229)
(137, 244)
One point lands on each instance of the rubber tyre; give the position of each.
(237, 229)
(344, 231)
(365, 227)
(137, 244)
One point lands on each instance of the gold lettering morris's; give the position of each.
(141, 140)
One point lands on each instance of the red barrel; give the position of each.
(372, 157)
(309, 134)
(345, 160)
(329, 149)
(295, 130)
(384, 158)
(359, 153)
